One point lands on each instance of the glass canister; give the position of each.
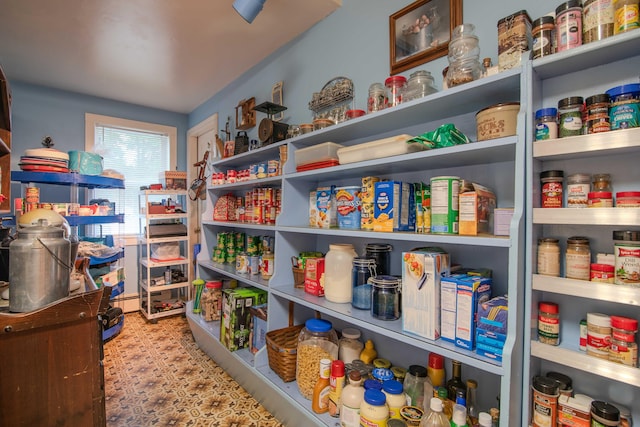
(548, 257)
(363, 269)
(396, 86)
(464, 56)
(381, 254)
(414, 385)
(317, 340)
(578, 187)
(385, 297)
(601, 182)
(578, 258)
(376, 100)
(211, 300)
(338, 263)
(420, 84)
(350, 346)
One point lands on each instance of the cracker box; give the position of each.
(471, 292)
(235, 325)
(323, 213)
(314, 276)
(394, 207)
(476, 210)
(421, 274)
(448, 299)
(259, 327)
(174, 180)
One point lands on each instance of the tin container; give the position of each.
(543, 32)
(242, 263)
(514, 38)
(626, 16)
(497, 121)
(568, 25)
(597, 20)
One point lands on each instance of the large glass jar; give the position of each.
(338, 263)
(317, 340)
(363, 269)
(420, 84)
(464, 56)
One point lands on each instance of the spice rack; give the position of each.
(579, 72)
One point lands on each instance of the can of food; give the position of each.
(254, 264)
(444, 204)
(242, 263)
(266, 265)
(514, 38)
(32, 195)
(627, 255)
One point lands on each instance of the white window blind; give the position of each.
(139, 151)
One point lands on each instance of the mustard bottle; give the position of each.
(369, 353)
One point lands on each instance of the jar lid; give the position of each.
(514, 15)
(351, 333)
(318, 325)
(568, 5)
(599, 319)
(395, 422)
(599, 195)
(418, 371)
(382, 374)
(605, 410)
(564, 381)
(398, 372)
(341, 246)
(596, 99)
(354, 376)
(551, 174)
(601, 177)
(381, 363)
(499, 107)
(548, 240)
(626, 235)
(385, 281)
(546, 19)
(628, 194)
(436, 361)
(546, 112)
(371, 384)
(214, 284)
(375, 397)
(620, 90)
(545, 385)
(354, 113)
(337, 368)
(625, 323)
(581, 177)
(548, 307)
(605, 268)
(395, 80)
(375, 247)
(572, 100)
(578, 239)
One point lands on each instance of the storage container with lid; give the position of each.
(338, 263)
(542, 32)
(385, 297)
(350, 346)
(374, 410)
(211, 300)
(604, 414)
(597, 20)
(396, 398)
(624, 110)
(578, 187)
(377, 98)
(546, 124)
(317, 340)
(464, 56)
(570, 116)
(568, 25)
(578, 258)
(395, 89)
(514, 38)
(363, 269)
(414, 385)
(420, 84)
(381, 253)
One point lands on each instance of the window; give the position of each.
(140, 151)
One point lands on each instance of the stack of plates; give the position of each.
(44, 160)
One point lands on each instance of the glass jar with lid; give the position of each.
(363, 269)
(420, 84)
(396, 86)
(376, 100)
(464, 56)
(350, 346)
(385, 297)
(338, 263)
(578, 258)
(380, 252)
(317, 340)
(548, 257)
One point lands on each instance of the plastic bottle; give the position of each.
(396, 398)
(374, 410)
(338, 263)
(369, 353)
(320, 400)
(350, 401)
(435, 369)
(436, 417)
(459, 418)
(336, 385)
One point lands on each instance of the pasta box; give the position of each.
(471, 291)
(235, 324)
(394, 207)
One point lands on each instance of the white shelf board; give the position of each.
(580, 360)
(230, 271)
(585, 289)
(162, 313)
(594, 145)
(144, 240)
(587, 216)
(166, 216)
(253, 183)
(158, 288)
(148, 263)
(271, 151)
(164, 192)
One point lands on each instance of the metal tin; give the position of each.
(568, 25)
(597, 20)
(497, 121)
(514, 38)
(627, 256)
(254, 264)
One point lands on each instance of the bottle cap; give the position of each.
(484, 419)
(459, 417)
(436, 404)
(436, 361)
(337, 368)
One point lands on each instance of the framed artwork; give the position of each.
(421, 32)
(229, 149)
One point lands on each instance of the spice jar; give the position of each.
(211, 300)
(568, 25)
(598, 335)
(545, 401)
(628, 199)
(600, 199)
(623, 341)
(317, 340)
(395, 90)
(546, 124)
(597, 20)
(363, 269)
(603, 273)
(548, 257)
(625, 16)
(597, 113)
(542, 31)
(350, 346)
(552, 188)
(376, 100)
(624, 110)
(604, 414)
(385, 297)
(601, 182)
(578, 186)
(570, 116)
(338, 263)
(578, 258)
(548, 323)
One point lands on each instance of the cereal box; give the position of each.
(235, 325)
(421, 274)
(314, 276)
(477, 204)
(394, 207)
(471, 292)
(348, 207)
(324, 214)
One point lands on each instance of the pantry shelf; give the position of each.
(584, 289)
(250, 184)
(587, 216)
(622, 141)
(233, 224)
(230, 271)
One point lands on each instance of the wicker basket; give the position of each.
(298, 277)
(282, 350)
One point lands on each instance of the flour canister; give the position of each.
(497, 121)
(444, 204)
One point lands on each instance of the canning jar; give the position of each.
(597, 107)
(548, 257)
(578, 186)
(552, 188)
(380, 253)
(350, 346)
(542, 32)
(363, 269)
(598, 335)
(338, 263)
(623, 341)
(395, 90)
(376, 100)
(548, 323)
(578, 258)
(568, 25)
(601, 182)
(570, 116)
(626, 16)
(420, 84)
(546, 124)
(317, 340)
(597, 20)
(624, 110)
(385, 297)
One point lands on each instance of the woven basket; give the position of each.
(282, 350)
(298, 277)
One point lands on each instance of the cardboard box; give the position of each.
(502, 221)
(314, 276)
(471, 292)
(421, 275)
(235, 325)
(448, 301)
(174, 180)
(394, 207)
(322, 208)
(259, 328)
(476, 210)
(111, 278)
(493, 315)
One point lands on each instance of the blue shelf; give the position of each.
(98, 261)
(94, 219)
(117, 289)
(85, 181)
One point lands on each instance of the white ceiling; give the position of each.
(168, 54)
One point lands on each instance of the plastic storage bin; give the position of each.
(324, 154)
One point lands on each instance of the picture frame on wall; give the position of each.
(421, 32)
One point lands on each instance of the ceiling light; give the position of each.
(248, 9)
